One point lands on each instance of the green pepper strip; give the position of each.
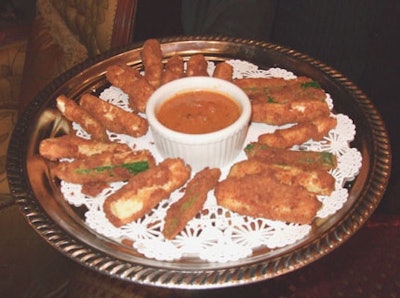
(133, 168)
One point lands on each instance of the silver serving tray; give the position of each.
(63, 227)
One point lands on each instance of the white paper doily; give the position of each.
(217, 234)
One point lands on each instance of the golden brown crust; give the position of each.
(316, 181)
(263, 196)
(144, 191)
(106, 167)
(298, 133)
(152, 62)
(308, 160)
(114, 118)
(196, 66)
(174, 69)
(223, 71)
(281, 90)
(292, 112)
(72, 146)
(74, 113)
(183, 210)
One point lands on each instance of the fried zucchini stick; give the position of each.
(281, 90)
(174, 69)
(262, 195)
(316, 181)
(72, 146)
(114, 118)
(132, 83)
(293, 112)
(122, 75)
(223, 71)
(74, 113)
(183, 210)
(144, 191)
(299, 133)
(197, 66)
(105, 167)
(152, 62)
(308, 160)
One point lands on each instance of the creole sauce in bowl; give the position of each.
(198, 112)
(203, 120)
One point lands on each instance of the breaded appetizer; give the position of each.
(281, 90)
(114, 118)
(122, 75)
(174, 69)
(299, 133)
(298, 111)
(223, 71)
(72, 146)
(74, 113)
(183, 210)
(316, 181)
(132, 83)
(105, 167)
(197, 66)
(152, 62)
(144, 191)
(308, 160)
(262, 195)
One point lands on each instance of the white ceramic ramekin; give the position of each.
(215, 149)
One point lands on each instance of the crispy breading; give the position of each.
(105, 167)
(130, 81)
(197, 66)
(298, 133)
(316, 181)
(183, 210)
(281, 90)
(140, 93)
(308, 160)
(72, 146)
(223, 71)
(152, 62)
(144, 191)
(298, 111)
(114, 118)
(174, 69)
(262, 195)
(122, 75)
(74, 113)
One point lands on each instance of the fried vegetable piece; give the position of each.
(152, 62)
(281, 90)
(308, 160)
(72, 146)
(105, 167)
(132, 83)
(144, 191)
(223, 71)
(293, 112)
(197, 66)
(174, 69)
(114, 118)
(122, 75)
(299, 133)
(74, 113)
(261, 195)
(183, 210)
(316, 181)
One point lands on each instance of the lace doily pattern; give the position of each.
(217, 234)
